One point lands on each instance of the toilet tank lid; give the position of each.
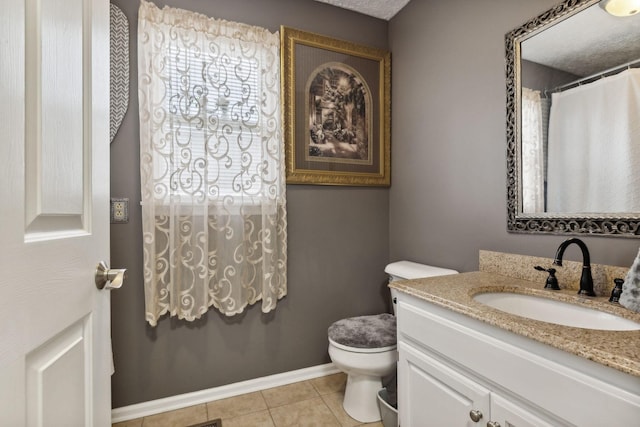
(413, 270)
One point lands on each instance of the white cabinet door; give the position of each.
(432, 394)
(507, 414)
(55, 358)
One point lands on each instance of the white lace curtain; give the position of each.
(212, 160)
(533, 154)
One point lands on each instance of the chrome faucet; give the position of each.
(586, 281)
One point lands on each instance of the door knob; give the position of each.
(475, 415)
(109, 278)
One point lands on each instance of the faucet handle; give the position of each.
(552, 280)
(616, 291)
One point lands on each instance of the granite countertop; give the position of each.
(617, 349)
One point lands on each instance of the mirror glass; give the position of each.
(573, 122)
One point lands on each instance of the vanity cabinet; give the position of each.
(438, 395)
(454, 370)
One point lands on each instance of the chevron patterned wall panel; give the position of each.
(119, 68)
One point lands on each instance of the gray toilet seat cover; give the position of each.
(365, 331)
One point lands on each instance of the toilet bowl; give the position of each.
(364, 348)
(364, 370)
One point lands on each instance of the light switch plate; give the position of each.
(119, 210)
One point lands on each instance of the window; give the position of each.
(215, 114)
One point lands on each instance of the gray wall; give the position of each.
(448, 198)
(543, 78)
(338, 247)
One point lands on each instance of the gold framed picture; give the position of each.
(337, 113)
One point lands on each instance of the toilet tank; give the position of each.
(405, 270)
(402, 270)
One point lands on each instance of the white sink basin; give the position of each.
(553, 311)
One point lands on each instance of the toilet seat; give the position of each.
(362, 350)
(364, 334)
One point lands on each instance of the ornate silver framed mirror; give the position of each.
(573, 122)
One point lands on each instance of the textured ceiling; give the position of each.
(383, 9)
(586, 43)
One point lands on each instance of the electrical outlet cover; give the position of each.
(119, 210)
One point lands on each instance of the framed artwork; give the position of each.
(336, 110)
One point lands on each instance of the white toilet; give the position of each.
(364, 347)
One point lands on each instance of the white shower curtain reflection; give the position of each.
(594, 147)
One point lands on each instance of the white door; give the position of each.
(54, 224)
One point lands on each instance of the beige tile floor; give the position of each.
(312, 403)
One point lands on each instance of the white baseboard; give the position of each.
(153, 407)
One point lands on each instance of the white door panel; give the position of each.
(54, 205)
